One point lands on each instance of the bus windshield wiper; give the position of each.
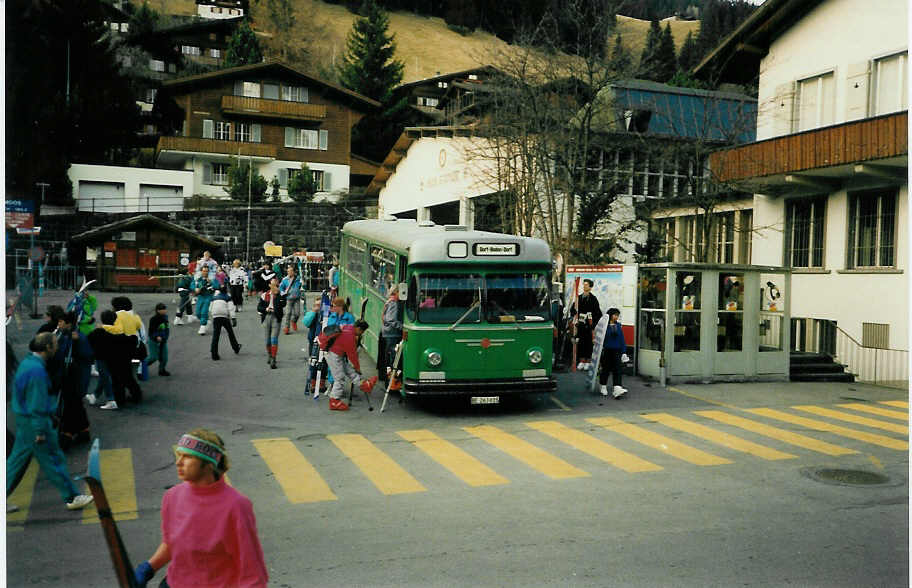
(463, 317)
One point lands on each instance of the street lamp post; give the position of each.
(249, 198)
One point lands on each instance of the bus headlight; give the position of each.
(535, 355)
(434, 358)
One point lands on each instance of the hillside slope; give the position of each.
(425, 45)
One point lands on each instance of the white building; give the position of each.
(831, 169)
(111, 188)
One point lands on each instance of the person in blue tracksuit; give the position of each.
(290, 288)
(204, 287)
(612, 349)
(35, 434)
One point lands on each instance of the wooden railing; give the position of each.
(194, 144)
(273, 108)
(852, 142)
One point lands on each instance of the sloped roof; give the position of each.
(269, 66)
(737, 57)
(682, 113)
(100, 233)
(447, 76)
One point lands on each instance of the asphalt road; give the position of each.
(530, 493)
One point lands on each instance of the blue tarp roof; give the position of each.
(685, 113)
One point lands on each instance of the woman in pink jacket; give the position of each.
(209, 532)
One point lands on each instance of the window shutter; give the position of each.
(324, 140)
(326, 185)
(207, 173)
(256, 133)
(784, 109)
(283, 177)
(289, 137)
(208, 129)
(304, 95)
(857, 76)
(238, 88)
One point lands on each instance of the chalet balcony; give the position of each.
(174, 149)
(820, 159)
(282, 109)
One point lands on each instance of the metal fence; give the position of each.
(884, 367)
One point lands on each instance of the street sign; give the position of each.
(28, 230)
(20, 213)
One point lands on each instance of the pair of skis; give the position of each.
(119, 557)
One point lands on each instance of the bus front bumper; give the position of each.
(480, 387)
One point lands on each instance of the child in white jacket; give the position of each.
(222, 312)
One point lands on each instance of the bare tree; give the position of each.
(541, 123)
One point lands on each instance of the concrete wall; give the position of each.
(840, 36)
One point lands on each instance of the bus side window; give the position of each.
(411, 305)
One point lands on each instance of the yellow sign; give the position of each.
(273, 250)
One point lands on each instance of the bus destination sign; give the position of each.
(496, 249)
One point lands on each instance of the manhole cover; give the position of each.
(849, 477)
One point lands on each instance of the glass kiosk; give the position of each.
(713, 322)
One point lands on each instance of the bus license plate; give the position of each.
(485, 400)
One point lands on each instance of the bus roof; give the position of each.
(431, 243)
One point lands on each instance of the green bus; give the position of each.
(477, 319)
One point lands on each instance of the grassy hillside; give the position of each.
(425, 45)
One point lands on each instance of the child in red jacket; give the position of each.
(342, 344)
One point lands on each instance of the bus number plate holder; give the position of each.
(485, 400)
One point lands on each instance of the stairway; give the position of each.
(816, 367)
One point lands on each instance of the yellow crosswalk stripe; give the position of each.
(720, 437)
(529, 454)
(896, 403)
(881, 440)
(22, 497)
(775, 433)
(659, 442)
(298, 479)
(386, 474)
(119, 480)
(890, 414)
(461, 464)
(851, 418)
(594, 447)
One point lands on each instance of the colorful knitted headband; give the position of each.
(199, 448)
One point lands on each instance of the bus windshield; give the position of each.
(445, 298)
(517, 298)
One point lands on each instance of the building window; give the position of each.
(242, 132)
(222, 130)
(156, 65)
(804, 222)
(872, 230)
(294, 94)
(890, 91)
(318, 176)
(745, 230)
(271, 91)
(220, 174)
(725, 237)
(425, 101)
(816, 102)
(190, 50)
(663, 232)
(442, 84)
(307, 138)
(150, 95)
(876, 335)
(216, 53)
(693, 238)
(251, 89)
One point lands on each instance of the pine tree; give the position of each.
(368, 66)
(666, 61)
(621, 61)
(243, 47)
(690, 54)
(647, 67)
